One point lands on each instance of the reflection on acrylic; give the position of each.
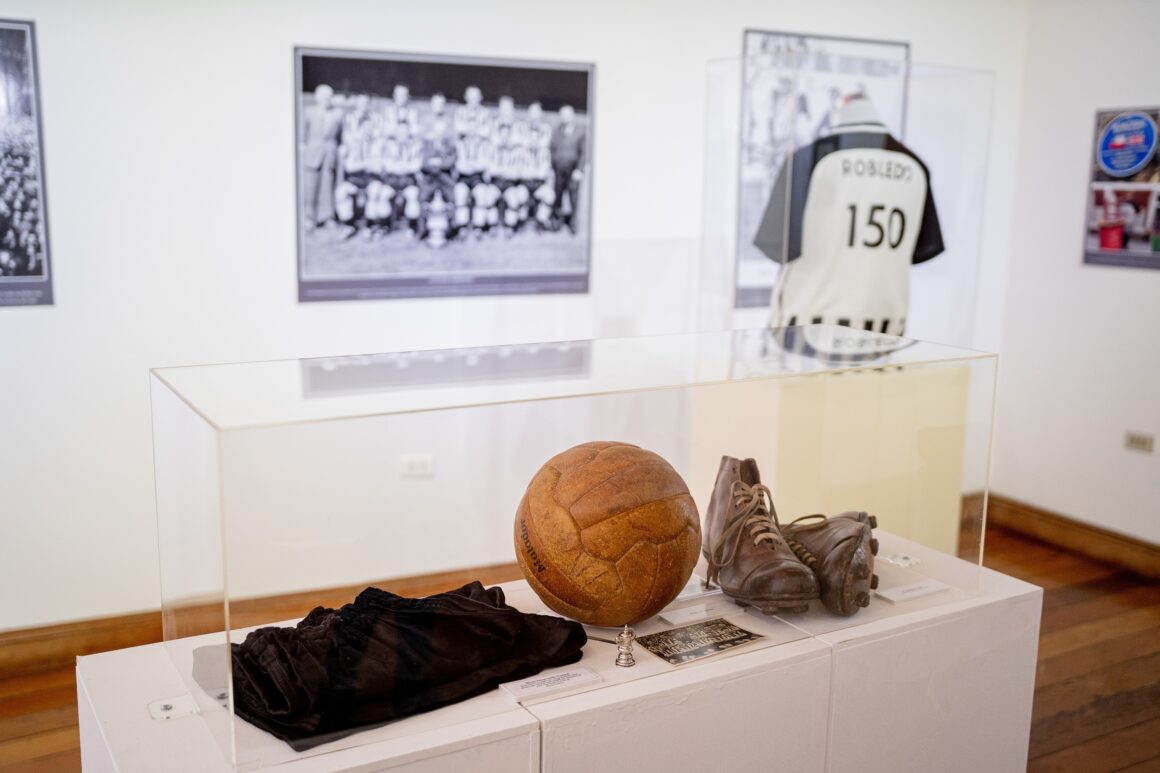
(334, 376)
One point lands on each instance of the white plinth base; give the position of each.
(951, 692)
(944, 683)
(490, 732)
(728, 714)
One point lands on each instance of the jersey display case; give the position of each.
(286, 485)
(843, 185)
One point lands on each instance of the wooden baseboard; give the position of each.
(1091, 541)
(970, 526)
(57, 646)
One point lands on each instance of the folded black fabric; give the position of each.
(385, 657)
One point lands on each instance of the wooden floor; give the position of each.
(1097, 688)
(1097, 696)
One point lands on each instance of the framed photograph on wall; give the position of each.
(792, 88)
(25, 276)
(1123, 203)
(426, 176)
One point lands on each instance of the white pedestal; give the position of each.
(741, 712)
(723, 712)
(946, 688)
(942, 683)
(490, 732)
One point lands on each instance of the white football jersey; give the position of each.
(506, 162)
(848, 216)
(395, 115)
(471, 119)
(473, 155)
(356, 148)
(411, 152)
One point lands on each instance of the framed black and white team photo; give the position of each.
(424, 176)
(25, 277)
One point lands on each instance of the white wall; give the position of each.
(170, 187)
(1080, 360)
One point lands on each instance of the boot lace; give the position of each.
(755, 518)
(801, 551)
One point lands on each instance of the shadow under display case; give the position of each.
(289, 484)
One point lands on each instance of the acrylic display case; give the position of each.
(762, 108)
(288, 484)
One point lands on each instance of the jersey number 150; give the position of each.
(890, 232)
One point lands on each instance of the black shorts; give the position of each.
(358, 179)
(401, 181)
(471, 180)
(439, 181)
(384, 657)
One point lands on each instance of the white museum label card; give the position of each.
(911, 591)
(694, 612)
(695, 590)
(542, 684)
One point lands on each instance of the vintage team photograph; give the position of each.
(424, 176)
(24, 268)
(792, 89)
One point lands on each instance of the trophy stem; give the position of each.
(624, 639)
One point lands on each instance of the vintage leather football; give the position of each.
(607, 533)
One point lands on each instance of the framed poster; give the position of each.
(25, 276)
(792, 87)
(422, 176)
(1123, 203)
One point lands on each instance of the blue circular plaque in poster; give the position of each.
(1126, 144)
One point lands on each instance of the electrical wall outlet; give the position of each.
(417, 465)
(1139, 441)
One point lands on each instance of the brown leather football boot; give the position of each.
(841, 552)
(748, 557)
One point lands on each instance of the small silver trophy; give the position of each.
(624, 641)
